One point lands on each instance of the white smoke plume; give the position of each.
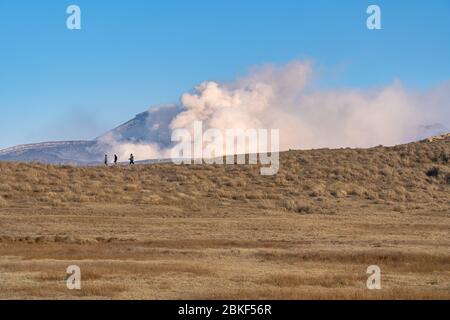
(124, 149)
(284, 98)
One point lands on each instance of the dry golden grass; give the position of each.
(181, 232)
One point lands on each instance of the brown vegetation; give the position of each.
(211, 231)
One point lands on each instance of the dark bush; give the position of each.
(304, 209)
(433, 172)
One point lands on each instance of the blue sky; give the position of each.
(58, 84)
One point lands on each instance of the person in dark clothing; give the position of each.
(106, 159)
(131, 159)
(115, 159)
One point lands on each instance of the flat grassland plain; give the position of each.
(164, 231)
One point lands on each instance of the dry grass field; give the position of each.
(187, 232)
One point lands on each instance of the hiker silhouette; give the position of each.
(106, 159)
(115, 159)
(131, 159)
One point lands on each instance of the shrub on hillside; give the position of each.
(292, 205)
(5, 187)
(433, 172)
(3, 202)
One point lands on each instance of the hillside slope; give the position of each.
(407, 173)
(163, 231)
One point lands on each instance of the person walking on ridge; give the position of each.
(131, 159)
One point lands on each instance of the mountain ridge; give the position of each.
(147, 130)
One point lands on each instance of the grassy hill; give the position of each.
(213, 231)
